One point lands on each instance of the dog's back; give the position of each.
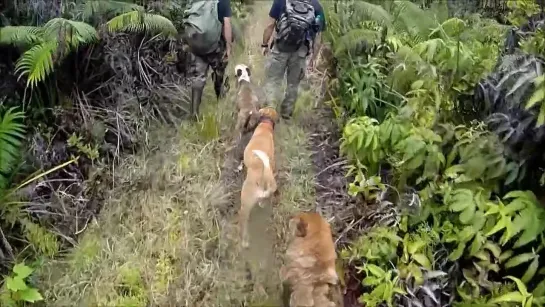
(310, 264)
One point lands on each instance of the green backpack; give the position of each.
(202, 29)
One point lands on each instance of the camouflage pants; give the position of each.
(199, 70)
(293, 65)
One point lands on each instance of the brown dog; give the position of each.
(247, 101)
(259, 161)
(310, 261)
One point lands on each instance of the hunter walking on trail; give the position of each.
(208, 33)
(297, 24)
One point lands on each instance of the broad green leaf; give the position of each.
(494, 248)
(519, 259)
(22, 270)
(15, 283)
(371, 281)
(476, 244)
(515, 297)
(478, 220)
(520, 285)
(457, 253)
(532, 229)
(539, 290)
(505, 255)
(422, 260)
(529, 302)
(375, 270)
(531, 271)
(30, 295)
(467, 215)
(538, 96)
(501, 224)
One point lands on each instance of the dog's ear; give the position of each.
(298, 227)
(248, 71)
(239, 72)
(301, 228)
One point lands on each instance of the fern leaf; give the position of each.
(374, 12)
(137, 21)
(12, 132)
(21, 36)
(37, 62)
(353, 38)
(414, 19)
(70, 33)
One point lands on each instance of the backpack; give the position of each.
(202, 29)
(294, 25)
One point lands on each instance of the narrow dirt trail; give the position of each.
(167, 234)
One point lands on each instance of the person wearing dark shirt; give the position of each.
(217, 60)
(289, 63)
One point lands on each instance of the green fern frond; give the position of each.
(352, 39)
(137, 21)
(414, 19)
(369, 11)
(452, 27)
(37, 62)
(12, 132)
(89, 9)
(69, 32)
(21, 36)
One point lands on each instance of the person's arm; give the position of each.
(274, 14)
(227, 31)
(227, 28)
(269, 29)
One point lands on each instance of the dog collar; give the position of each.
(265, 119)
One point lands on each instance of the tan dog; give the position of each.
(247, 101)
(310, 261)
(260, 183)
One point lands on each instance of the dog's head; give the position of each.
(242, 72)
(269, 113)
(307, 223)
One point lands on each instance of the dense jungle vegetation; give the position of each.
(443, 115)
(442, 110)
(81, 83)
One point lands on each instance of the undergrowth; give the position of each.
(443, 120)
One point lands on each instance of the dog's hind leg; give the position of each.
(301, 295)
(320, 296)
(247, 203)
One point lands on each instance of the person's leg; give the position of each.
(274, 75)
(295, 73)
(218, 71)
(199, 72)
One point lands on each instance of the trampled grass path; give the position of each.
(167, 234)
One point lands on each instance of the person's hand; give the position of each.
(264, 50)
(227, 55)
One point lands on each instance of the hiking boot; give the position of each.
(196, 96)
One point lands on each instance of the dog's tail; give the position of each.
(267, 177)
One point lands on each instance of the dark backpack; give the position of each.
(294, 25)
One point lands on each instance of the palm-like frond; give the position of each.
(70, 33)
(57, 35)
(37, 62)
(12, 132)
(21, 36)
(89, 9)
(137, 21)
